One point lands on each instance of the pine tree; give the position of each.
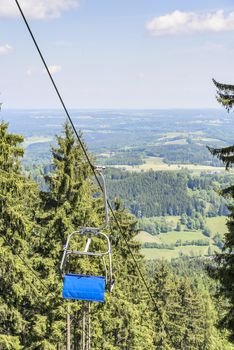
(32, 314)
(184, 314)
(225, 273)
(126, 313)
(70, 203)
(225, 94)
(19, 290)
(164, 289)
(195, 317)
(67, 205)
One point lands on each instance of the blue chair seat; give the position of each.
(82, 287)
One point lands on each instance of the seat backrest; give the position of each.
(82, 287)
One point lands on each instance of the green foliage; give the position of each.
(154, 225)
(33, 229)
(8, 342)
(123, 158)
(184, 315)
(158, 245)
(142, 189)
(178, 226)
(190, 153)
(153, 193)
(225, 260)
(18, 205)
(71, 202)
(179, 318)
(179, 243)
(218, 240)
(225, 94)
(206, 232)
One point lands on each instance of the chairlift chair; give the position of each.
(82, 286)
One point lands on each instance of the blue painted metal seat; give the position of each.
(83, 287)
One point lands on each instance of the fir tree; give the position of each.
(126, 313)
(19, 290)
(67, 205)
(225, 273)
(225, 94)
(165, 311)
(70, 203)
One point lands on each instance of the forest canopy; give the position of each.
(33, 228)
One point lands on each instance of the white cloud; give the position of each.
(179, 22)
(37, 9)
(5, 49)
(54, 69)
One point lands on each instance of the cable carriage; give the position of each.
(82, 286)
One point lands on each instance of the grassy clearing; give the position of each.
(170, 135)
(206, 139)
(154, 253)
(217, 225)
(182, 134)
(173, 220)
(36, 139)
(173, 236)
(176, 142)
(143, 237)
(157, 164)
(170, 237)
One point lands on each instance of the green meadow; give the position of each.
(215, 224)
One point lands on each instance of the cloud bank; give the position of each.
(179, 22)
(37, 9)
(5, 49)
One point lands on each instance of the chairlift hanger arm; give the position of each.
(107, 219)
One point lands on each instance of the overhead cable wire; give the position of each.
(83, 149)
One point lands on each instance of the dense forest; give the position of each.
(180, 312)
(184, 154)
(148, 194)
(151, 193)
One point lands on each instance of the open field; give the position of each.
(143, 237)
(172, 219)
(170, 237)
(154, 253)
(157, 164)
(36, 139)
(170, 135)
(217, 225)
(183, 138)
(168, 254)
(176, 142)
(173, 236)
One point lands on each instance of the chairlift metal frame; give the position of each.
(89, 232)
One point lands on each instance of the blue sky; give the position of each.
(117, 53)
